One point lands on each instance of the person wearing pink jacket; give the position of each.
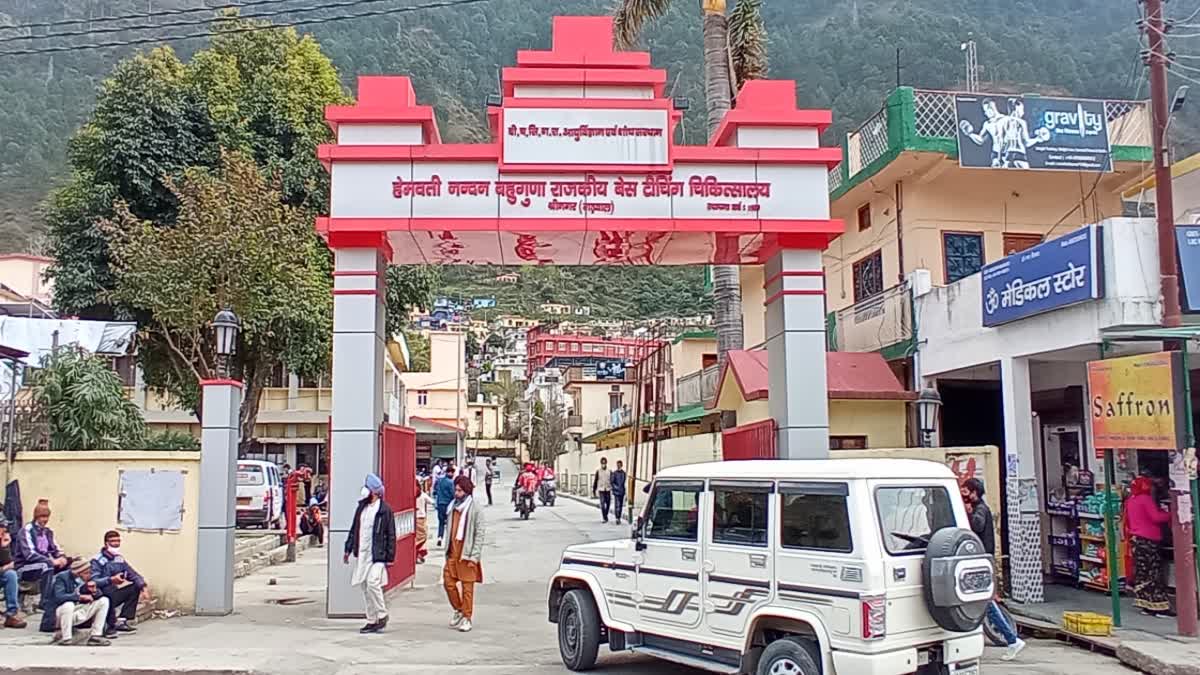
(1144, 520)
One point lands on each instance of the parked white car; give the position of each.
(259, 494)
(841, 567)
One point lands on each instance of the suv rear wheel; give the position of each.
(788, 656)
(948, 549)
(578, 630)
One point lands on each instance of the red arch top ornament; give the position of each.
(582, 169)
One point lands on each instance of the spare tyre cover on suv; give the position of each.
(958, 578)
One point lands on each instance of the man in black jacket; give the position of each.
(372, 539)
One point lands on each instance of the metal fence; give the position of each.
(749, 441)
(868, 142)
(697, 387)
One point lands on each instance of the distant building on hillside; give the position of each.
(510, 278)
(548, 349)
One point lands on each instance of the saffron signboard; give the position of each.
(1049, 276)
(588, 136)
(1032, 132)
(1136, 402)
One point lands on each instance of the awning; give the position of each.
(692, 412)
(1153, 333)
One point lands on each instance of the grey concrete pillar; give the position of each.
(1020, 487)
(222, 401)
(795, 334)
(358, 370)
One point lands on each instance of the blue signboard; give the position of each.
(1187, 241)
(1051, 275)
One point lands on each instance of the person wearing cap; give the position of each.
(9, 579)
(464, 550)
(372, 539)
(74, 600)
(119, 582)
(36, 556)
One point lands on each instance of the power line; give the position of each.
(189, 22)
(141, 15)
(246, 29)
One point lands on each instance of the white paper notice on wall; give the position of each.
(151, 500)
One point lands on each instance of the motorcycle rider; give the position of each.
(546, 482)
(526, 486)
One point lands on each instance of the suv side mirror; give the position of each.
(638, 543)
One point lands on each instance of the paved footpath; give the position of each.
(281, 629)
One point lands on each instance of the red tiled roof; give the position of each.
(850, 375)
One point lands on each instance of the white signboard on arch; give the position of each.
(591, 136)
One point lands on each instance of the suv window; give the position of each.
(916, 512)
(675, 511)
(816, 517)
(249, 474)
(740, 514)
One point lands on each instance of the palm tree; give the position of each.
(735, 50)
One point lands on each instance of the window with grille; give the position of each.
(963, 253)
(1015, 243)
(868, 276)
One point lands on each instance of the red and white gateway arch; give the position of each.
(582, 169)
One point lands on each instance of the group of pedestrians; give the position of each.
(461, 531)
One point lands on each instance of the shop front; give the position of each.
(1009, 351)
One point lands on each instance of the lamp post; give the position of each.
(929, 404)
(226, 326)
(219, 436)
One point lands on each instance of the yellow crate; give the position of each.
(1087, 623)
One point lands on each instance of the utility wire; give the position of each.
(188, 22)
(245, 29)
(141, 15)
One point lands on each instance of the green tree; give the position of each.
(472, 346)
(85, 403)
(508, 394)
(235, 243)
(408, 287)
(418, 351)
(726, 66)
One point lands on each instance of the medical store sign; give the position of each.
(1136, 402)
(1049, 276)
(1000, 131)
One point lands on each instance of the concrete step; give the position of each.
(268, 557)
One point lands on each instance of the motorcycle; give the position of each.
(525, 504)
(547, 491)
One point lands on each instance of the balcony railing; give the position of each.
(697, 387)
(574, 421)
(924, 119)
(875, 324)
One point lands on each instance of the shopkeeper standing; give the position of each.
(1144, 520)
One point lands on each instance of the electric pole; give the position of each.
(1164, 208)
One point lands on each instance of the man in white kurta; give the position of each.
(370, 568)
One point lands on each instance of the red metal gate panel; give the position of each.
(749, 441)
(398, 469)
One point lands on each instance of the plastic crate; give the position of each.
(1087, 623)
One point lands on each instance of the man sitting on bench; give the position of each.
(73, 602)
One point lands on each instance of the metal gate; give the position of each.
(398, 469)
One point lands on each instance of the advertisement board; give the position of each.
(1002, 131)
(1136, 402)
(1187, 242)
(1048, 276)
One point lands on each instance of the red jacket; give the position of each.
(1144, 518)
(529, 482)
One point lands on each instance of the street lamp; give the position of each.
(225, 326)
(929, 403)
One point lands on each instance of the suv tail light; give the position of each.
(874, 617)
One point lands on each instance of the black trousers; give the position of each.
(605, 503)
(618, 504)
(488, 487)
(126, 598)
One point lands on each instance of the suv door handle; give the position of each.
(709, 566)
(688, 554)
(758, 560)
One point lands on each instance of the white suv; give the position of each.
(842, 567)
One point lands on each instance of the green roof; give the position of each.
(692, 412)
(706, 334)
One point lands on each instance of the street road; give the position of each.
(279, 624)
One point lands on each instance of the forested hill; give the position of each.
(842, 54)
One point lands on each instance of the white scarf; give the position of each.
(463, 510)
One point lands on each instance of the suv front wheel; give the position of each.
(578, 630)
(787, 656)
